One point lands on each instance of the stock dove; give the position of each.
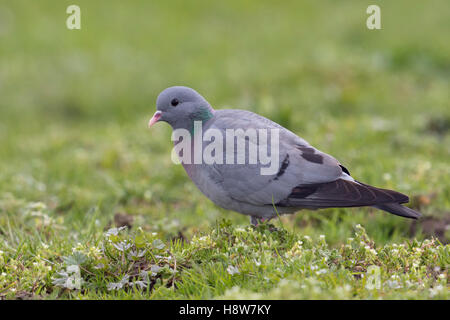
(304, 177)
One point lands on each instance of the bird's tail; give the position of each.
(399, 210)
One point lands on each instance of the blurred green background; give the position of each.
(74, 106)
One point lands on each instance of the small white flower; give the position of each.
(232, 270)
(436, 290)
(141, 284)
(155, 269)
(136, 254)
(393, 284)
(37, 206)
(123, 245)
(158, 244)
(321, 271)
(99, 266)
(118, 285)
(73, 269)
(114, 231)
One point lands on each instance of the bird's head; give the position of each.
(180, 107)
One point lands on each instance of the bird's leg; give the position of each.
(255, 220)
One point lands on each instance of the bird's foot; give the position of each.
(256, 220)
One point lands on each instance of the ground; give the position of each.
(78, 163)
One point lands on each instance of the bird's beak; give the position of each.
(155, 118)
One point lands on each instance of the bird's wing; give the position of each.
(341, 193)
(298, 163)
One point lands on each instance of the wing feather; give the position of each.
(341, 193)
(299, 163)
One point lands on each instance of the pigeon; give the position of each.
(303, 177)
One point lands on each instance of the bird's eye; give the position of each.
(174, 102)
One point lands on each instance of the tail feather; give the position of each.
(399, 210)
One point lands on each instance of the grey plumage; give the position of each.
(305, 179)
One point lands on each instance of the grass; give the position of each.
(226, 262)
(76, 159)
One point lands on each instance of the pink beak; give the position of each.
(155, 118)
